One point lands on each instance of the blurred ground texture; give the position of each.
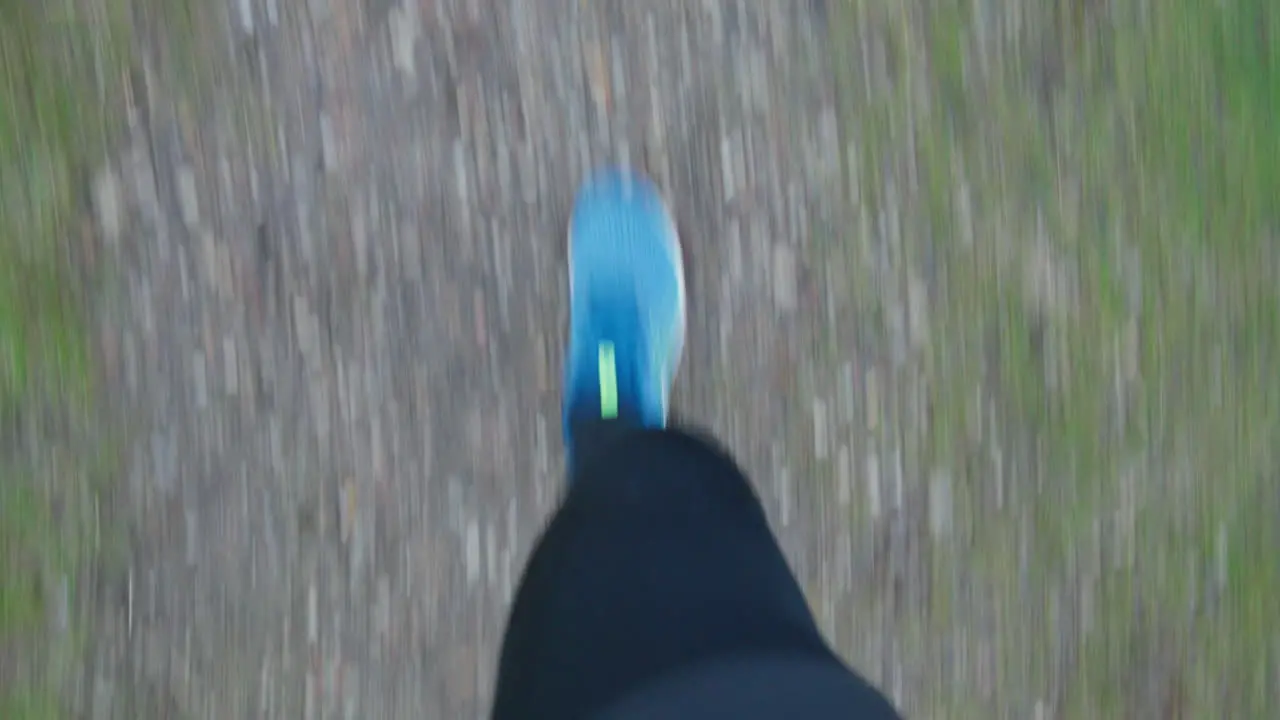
(983, 294)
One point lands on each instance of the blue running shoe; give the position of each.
(626, 305)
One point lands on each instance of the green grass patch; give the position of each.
(57, 60)
(1097, 187)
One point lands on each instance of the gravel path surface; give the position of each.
(337, 336)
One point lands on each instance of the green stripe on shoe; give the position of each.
(608, 382)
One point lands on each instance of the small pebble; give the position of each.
(106, 203)
(188, 199)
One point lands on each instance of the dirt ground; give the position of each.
(339, 323)
(331, 346)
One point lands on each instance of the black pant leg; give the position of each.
(660, 556)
